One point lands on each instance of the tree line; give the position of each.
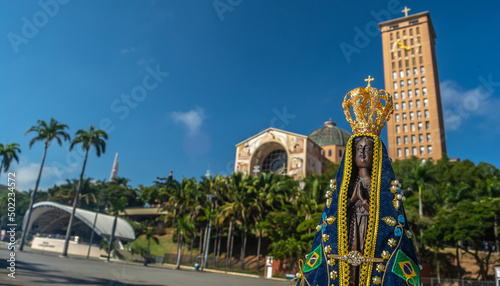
(449, 205)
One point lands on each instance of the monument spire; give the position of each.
(114, 170)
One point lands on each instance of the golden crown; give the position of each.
(371, 115)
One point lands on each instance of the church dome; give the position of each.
(330, 134)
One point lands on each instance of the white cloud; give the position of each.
(192, 119)
(459, 104)
(27, 175)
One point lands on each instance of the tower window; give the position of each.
(417, 92)
(403, 95)
(397, 129)
(410, 103)
(426, 102)
(404, 116)
(396, 106)
(399, 152)
(407, 152)
(427, 125)
(416, 81)
(401, 74)
(422, 70)
(394, 74)
(415, 71)
(424, 90)
(420, 126)
(420, 138)
(413, 139)
(419, 114)
(405, 128)
(408, 73)
(426, 114)
(422, 150)
(398, 140)
(408, 82)
(403, 105)
(414, 151)
(406, 139)
(395, 85)
(412, 127)
(423, 80)
(410, 94)
(428, 137)
(412, 116)
(429, 149)
(395, 95)
(418, 102)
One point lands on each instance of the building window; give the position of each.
(411, 32)
(427, 125)
(404, 116)
(408, 82)
(396, 106)
(408, 73)
(416, 81)
(420, 138)
(397, 117)
(330, 153)
(406, 140)
(395, 27)
(420, 59)
(423, 80)
(340, 153)
(420, 126)
(403, 105)
(422, 70)
(402, 83)
(399, 152)
(407, 152)
(412, 116)
(426, 102)
(426, 113)
(401, 74)
(428, 137)
(422, 150)
(424, 90)
(323, 153)
(393, 65)
(398, 140)
(412, 127)
(397, 129)
(410, 103)
(275, 162)
(414, 151)
(418, 102)
(395, 95)
(395, 85)
(390, 36)
(403, 95)
(417, 92)
(419, 114)
(405, 128)
(410, 93)
(429, 149)
(394, 74)
(415, 71)
(413, 139)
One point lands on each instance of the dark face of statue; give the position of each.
(364, 153)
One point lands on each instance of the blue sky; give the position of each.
(206, 75)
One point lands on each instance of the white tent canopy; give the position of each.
(47, 214)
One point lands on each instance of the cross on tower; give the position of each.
(406, 10)
(369, 80)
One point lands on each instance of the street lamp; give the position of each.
(210, 199)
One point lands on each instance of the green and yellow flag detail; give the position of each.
(313, 260)
(407, 269)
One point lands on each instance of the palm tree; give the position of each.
(150, 234)
(118, 204)
(8, 153)
(185, 228)
(45, 132)
(88, 139)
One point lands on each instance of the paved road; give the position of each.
(48, 269)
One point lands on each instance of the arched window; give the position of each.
(275, 162)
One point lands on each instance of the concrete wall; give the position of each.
(56, 245)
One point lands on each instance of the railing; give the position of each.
(455, 282)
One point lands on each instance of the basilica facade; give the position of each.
(286, 153)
